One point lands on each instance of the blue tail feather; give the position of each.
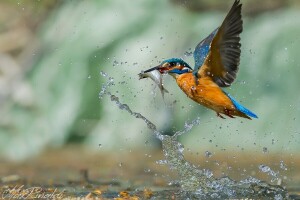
(241, 108)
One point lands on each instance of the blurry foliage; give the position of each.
(19, 20)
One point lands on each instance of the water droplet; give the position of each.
(278, 197)
(268, 170)
(188, 53)
(147, 170)
(103, 74)
(264, 168)
(162, 162)
(115, 63)
(180, 148)
(208, 154)
(282, 165)
(265, 150)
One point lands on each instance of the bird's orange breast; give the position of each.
(206, 93)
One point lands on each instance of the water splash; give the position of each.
(199, 183)
(187, 127)
(266, 169)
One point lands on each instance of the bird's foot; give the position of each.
(219, 115)
(227, 112)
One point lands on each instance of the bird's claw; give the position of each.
(219, 115)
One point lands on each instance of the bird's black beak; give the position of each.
(160, 68)
(151, 69)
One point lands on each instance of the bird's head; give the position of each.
(173, 66)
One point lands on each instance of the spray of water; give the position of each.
(195, 182)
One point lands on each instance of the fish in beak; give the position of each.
(156, 75)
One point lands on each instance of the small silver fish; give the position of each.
(156, 76)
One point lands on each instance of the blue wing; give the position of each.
(201, 51)
(220, 54)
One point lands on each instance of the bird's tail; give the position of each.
(241, 108)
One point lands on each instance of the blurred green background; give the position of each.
(52, 54)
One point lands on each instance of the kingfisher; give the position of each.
(217, 59)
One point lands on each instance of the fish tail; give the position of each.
(163, 91)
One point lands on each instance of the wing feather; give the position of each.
(201, 51)
(223, 59)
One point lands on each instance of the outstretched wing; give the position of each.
(223, 58)
(201, 51)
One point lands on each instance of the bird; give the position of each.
(217, 59)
